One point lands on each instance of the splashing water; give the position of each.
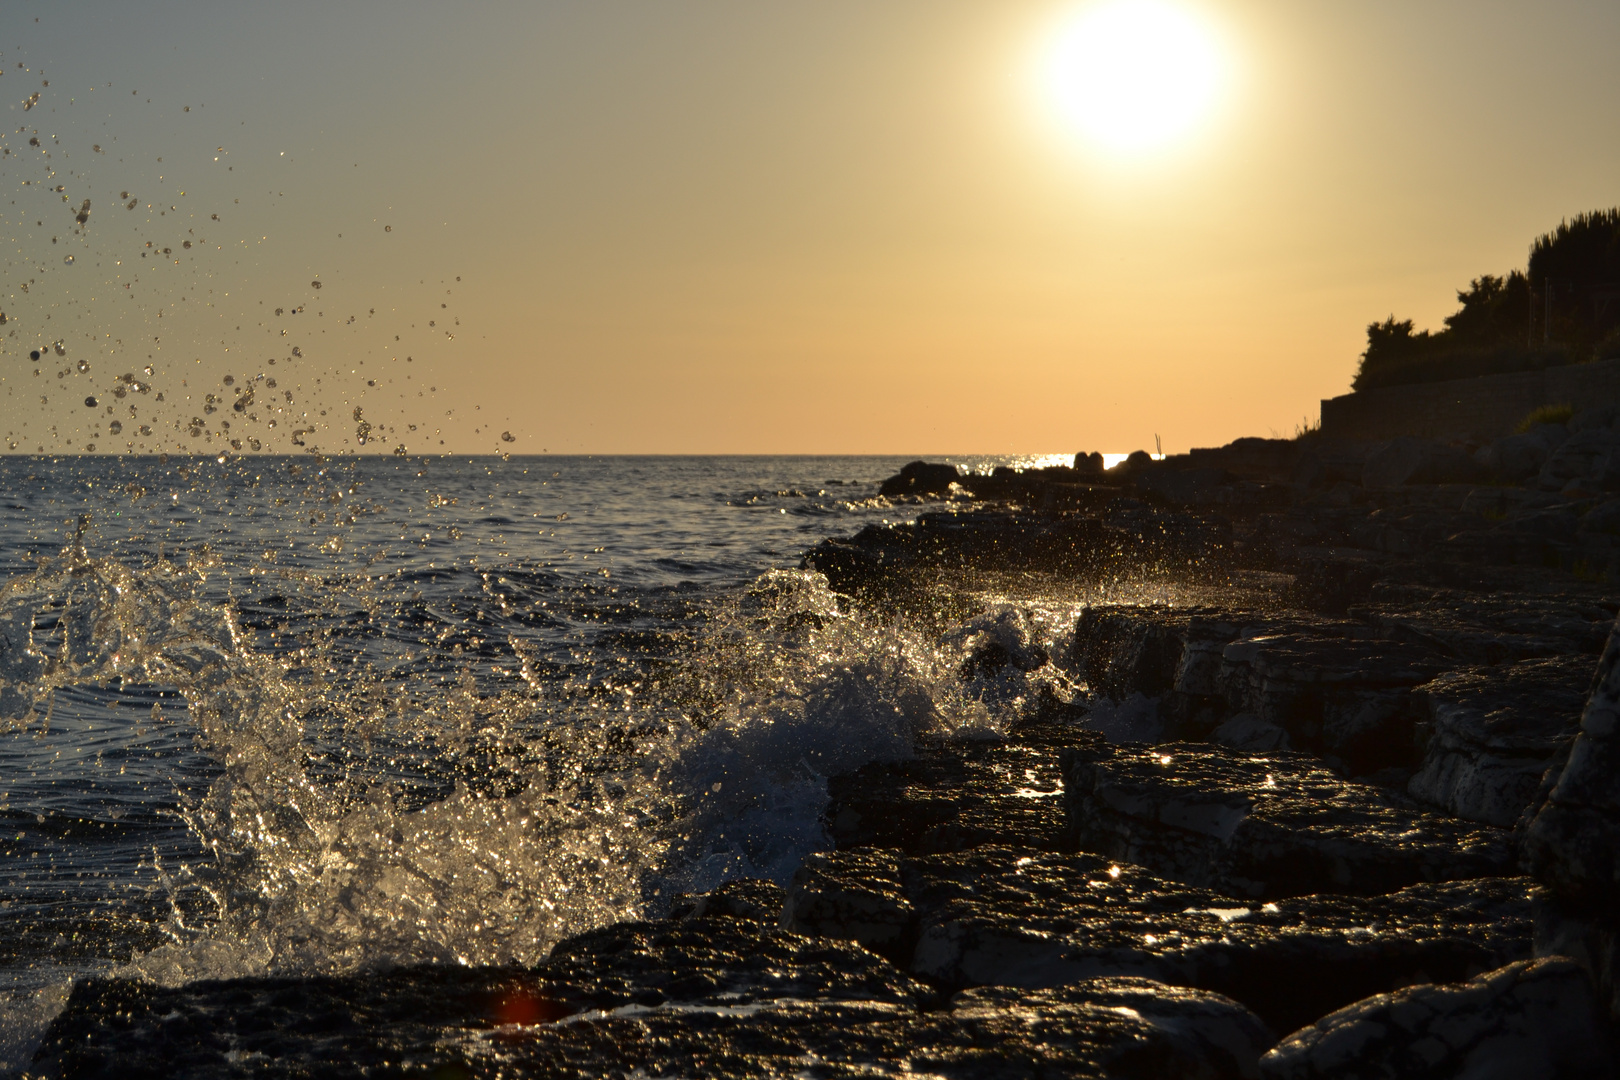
(786, 689)
(393, 783)
(305, 875)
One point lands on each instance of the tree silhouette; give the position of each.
(1564, 308)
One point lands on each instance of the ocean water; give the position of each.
(304, 714)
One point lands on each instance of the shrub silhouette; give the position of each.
(1503, 323)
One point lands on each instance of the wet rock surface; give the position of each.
(1493, 733)
(1417, 685)
(1015, 917)
(1571, 843)
(955, 796)
(1532, 1018)
(1290, 783)
(711, 998)
(1264, 826)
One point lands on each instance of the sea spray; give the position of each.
(555, 819)
(786, 687)
(304, 874)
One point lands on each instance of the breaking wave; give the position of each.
(357, 819)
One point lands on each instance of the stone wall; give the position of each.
(1481, 408)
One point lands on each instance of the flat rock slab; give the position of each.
(627, 1019)
(1344, 696)
(1494, 627)
(1115, 1028)
(385, 1021)
(1346, 689)
(998, 916)
(1265, 826)
(1494, 731)
(1533, 1018)
(957, 795)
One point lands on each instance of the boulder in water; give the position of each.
(921, 478)
(1090, 465)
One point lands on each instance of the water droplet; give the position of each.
(68, 261)
(90, 401)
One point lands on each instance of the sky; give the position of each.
(715, 226)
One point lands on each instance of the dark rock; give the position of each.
(1493, 732)
(1512, 621)
(1133, 464)
(1327, 463)
(853, 895)
(921, 478)
(1573, 842)
(882, 559)
(1554, 523)
(1268, 461)
(1120, 1027)
(957, 795)
(1590, 939)
(1327, 684)
(1119, 651)
(419, 1018)
(1246, 731)
(1604, 518)
(1584, 454)
(1264, 826)
(1000, 916)
(748, 1018)
(1517, 458)
(1187, 487)
(1596, 416)
(1530, 1018)
(1348, 698)
(1054, 920)
(1406, 460)
(746, 898)
(1090, 465)
(1330, 582)
(1498, 502)
(713, 961)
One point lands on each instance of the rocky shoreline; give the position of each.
(1346, 805)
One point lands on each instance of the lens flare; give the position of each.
(1133, 75)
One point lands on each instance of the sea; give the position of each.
(305, 714)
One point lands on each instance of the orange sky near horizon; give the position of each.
(725, 227)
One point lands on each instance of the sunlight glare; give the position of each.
(1132, 75)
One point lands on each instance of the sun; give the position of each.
(1133, 75)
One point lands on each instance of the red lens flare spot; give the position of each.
(525, 1008)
